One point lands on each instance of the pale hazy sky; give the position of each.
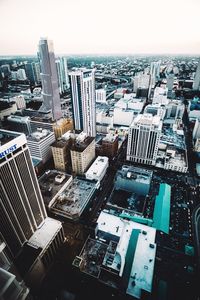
(104, 26)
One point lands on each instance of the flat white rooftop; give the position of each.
(143, 267)
(143, 263)
(44, 234)
(147, 119)
(98, 166)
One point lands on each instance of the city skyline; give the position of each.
(83, 27)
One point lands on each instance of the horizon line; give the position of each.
(105, 54)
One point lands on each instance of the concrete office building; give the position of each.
(36, 69)
(61, 153)
(25, 227)
(174, 110)
(196, 130)
(39, 143)
(134, 180)
(49, 77)
(19, 124)
(154, 72)
(71, 202)
(64, 70)
(82, 153)
(170, 84)
(160, 96)
(101, 96)
(29, 68)
(196, 84)
(155, 109)
(141, 81)
(82, 82)
(122, 255)
(143, 139)
(108, 146)
(22, 209)
(97, 169)
(62, 126)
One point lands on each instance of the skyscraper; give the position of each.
(49, 77)
(196, 84)
(82, 84)
(143, 139)
(64, 70)
(60, 76)
(196, 130)
(63, 78)
(154, 72)
(21, 207)
(30, 72)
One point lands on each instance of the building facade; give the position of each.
(21, 209)
(82, 153)
(143, 139)
(39, 144)
(98, 168)
(196, 83)
(82, 84)
(25, 227)
(61, 154)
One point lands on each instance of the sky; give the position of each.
(101, 27)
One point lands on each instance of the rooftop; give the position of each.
(7, 136)
(39, 135)
(128, 251)
(161, 215)
(110, 138)
(51, 183)
(170, 137)
(60, 143)
(44, 234)
(98, 166)
(72, 201)
(10, 141)
(136, 174)
(147, 119)
(80, 145)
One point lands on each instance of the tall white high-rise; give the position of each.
(60, 76)
(196, 130)
(155, 72)
(196, 84)
(62, 70)
(170, 82)
(141, 81)
(49, 77)
(82, 82)
(143, 139)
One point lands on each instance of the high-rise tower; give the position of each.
(49, 77)
(21, 204)
(196, 84)
(154, 72)
(143, 139)
(82, 84)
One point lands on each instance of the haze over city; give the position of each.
(99, 150)
(100, 27)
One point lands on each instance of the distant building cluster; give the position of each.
(82, 149)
